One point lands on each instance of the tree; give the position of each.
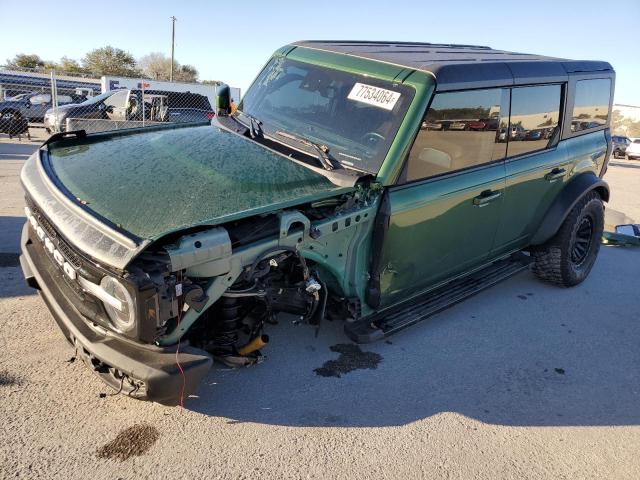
(157, 66)
(212, 82)
(186, 73)
(110, 61)
(26, 61)
(69, 65)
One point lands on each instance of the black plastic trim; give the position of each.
(154, 366)
(565, 201)
(380, 228)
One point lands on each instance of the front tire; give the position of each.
(567, 258)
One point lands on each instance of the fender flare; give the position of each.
(572, 193)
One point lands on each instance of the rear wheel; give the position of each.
(568, 257)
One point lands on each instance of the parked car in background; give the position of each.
(534, 135)
(633, 150)
(33, 107)
(620, 144)
(134, 105)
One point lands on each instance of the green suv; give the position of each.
(375, 183)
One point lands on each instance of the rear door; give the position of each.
(536, 165)
(446, 209)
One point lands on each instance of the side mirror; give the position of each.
(223, 100)
(102, 107)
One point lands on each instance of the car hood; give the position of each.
(157, 182)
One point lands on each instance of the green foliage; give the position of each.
(157, 66)
(26, 61)
(114, 61)
(110, 61)
(69, 65)
(186, 73)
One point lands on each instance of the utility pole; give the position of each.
(173, 43)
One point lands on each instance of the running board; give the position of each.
(378, 326)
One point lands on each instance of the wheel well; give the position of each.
(568, 197)
(603, 192)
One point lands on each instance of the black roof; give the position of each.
(456, 66)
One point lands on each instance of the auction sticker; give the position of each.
(376, 96)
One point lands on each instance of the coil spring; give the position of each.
(226, 332)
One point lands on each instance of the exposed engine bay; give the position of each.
(279, 280)
(221, 288)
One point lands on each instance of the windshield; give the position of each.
(99, 98)
(355, 116)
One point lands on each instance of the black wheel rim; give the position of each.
(582, 241)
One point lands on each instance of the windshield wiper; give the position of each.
(322, 150)
(255, 125)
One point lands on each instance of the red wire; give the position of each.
(184, 379)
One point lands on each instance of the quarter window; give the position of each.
(460, 130)
(535, 112)
(591, 104)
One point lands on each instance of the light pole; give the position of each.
(173, 42)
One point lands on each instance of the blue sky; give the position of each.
(230, 41)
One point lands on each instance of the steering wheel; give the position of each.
(372, 137)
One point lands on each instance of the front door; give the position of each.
(444, 214)
(116, 105)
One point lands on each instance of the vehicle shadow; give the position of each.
(12, 282)
(523, 354)
(623, 165)
(10, 230)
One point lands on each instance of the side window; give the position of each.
(460, 130)
(62, 99)
(40, 99)
(591, 104)
(118, 99)
(535, 112)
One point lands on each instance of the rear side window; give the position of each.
(460, 130)
(591, 104)
(535, 112)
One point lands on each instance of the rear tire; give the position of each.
(567, 258)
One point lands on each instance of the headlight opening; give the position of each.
(123, 318)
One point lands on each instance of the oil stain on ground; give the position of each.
(351, 358)
(8, 379)
(130, 442)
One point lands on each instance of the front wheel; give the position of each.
(567, 258)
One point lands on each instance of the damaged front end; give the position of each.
(149, 316)
(233, 286)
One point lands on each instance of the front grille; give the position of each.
(72, 257)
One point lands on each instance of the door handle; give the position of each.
(555, 174)
(486, 197)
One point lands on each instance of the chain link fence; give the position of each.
(61, 102)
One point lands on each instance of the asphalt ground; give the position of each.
(524, 380)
